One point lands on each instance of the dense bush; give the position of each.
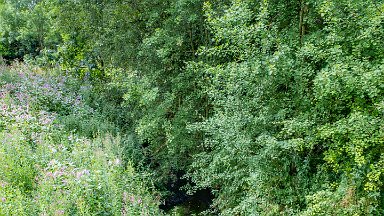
(276, 107)
(26, 28)
(296, 121)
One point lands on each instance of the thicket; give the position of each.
(276, 106)
(52, 167)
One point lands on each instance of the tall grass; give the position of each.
(58, 156)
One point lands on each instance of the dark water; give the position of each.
(190, 204)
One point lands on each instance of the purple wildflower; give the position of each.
(81, 173)
(58, 174)
(60, 212)
(49, 174)
(52, 162)
(65, 182)
(3, 184)
(46, 120)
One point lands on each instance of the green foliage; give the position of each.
(285, 121)
(275, 106)
(26, 28)
(47, 169)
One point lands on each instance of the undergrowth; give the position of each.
(58, 156)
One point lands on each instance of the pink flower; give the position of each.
(3, 184)
(49, 174)
(52, 162)
(65, 182)
(125, 197)
(81, 173)
(3, 199)
(58, 174)
(60, 212)
(46, 121)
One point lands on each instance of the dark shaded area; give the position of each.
(8, 60)
(196, 203)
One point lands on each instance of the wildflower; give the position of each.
(81, 173)
(65, 182)
(125, 196)
(60, 212)
(58, 174)
(3, 199)
(139, 201)
(46, 86)
(21, 75)
(9, 86)
(115, 162)
(46, 121)
(52, 162)
(49, 174)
